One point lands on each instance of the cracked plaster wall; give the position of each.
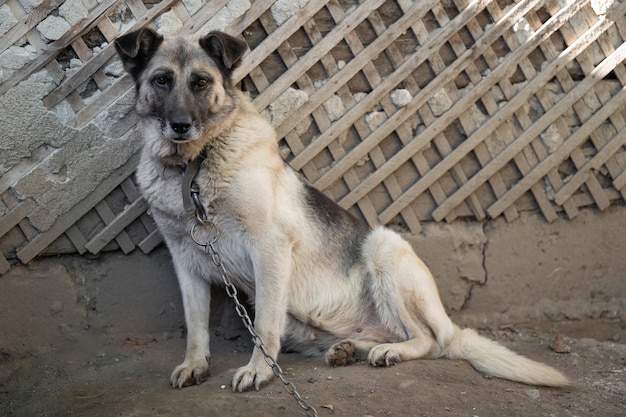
(566, 270)
(77, 161)
(529, 270)
(455, 255)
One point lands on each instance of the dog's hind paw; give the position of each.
(341, 354)
(249, 377)
(384, 355)
(189, 373)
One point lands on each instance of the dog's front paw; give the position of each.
(384, 355)
(250, 376)
(190, 372)
(341, 354)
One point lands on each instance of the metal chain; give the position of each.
(231, 290)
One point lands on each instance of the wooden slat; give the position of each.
(572, 142)
(319, 50)
(5, 266)
(76, 237)
(15, 215)
(521, 98)
(273, 41)
(133, 193)
(90, 67)
(620, 182)
(424, 138)
(121, 238)
(363, 106)
(150, 242)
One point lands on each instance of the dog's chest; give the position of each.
(163, 189)
(166, 188)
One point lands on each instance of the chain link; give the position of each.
(231, 290)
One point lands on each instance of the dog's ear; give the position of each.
(136, 48)
(226, 50)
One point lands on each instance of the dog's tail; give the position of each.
(494, 359)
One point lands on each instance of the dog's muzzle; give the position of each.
(181, 125)
(180, 129)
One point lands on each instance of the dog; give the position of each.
(322, 282)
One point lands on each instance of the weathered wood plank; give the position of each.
(76, 237)
(15, 215)
(122, 239)
(620, 181)
(116, 227)
(90, 67)
(150, 242)
(276, 38)
(505, 112)
(319, 50)
(572, 142)
(447, 118)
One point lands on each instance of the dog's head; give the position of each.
(183, 83)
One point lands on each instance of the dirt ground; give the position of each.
(100, 337)
(108, 376)
(99, 373)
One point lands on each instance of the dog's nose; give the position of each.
(181, 125)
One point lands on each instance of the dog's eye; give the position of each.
(161, 81)
(202, 83)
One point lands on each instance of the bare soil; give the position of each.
(107, 375)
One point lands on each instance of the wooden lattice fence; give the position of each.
(402, 111)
